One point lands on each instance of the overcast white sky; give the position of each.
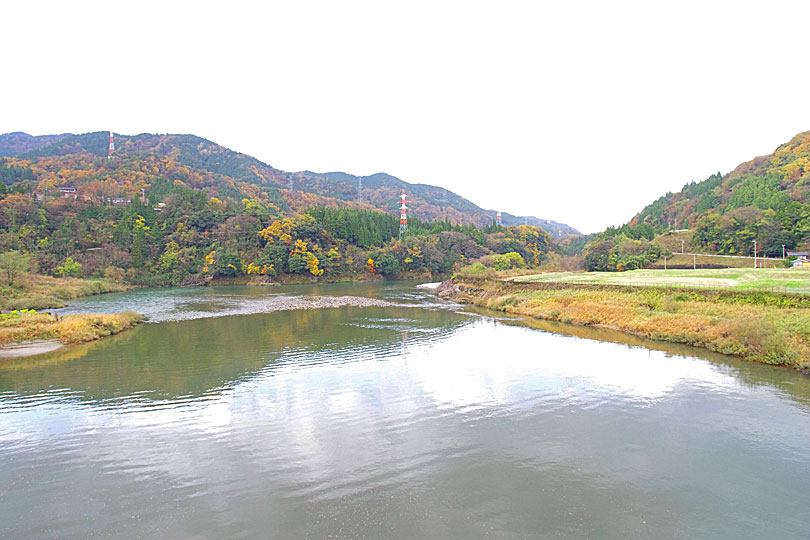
(581, 112)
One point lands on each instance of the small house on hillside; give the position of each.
(68, 191)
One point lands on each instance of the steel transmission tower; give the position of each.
(403, 214)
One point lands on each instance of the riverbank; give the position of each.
(295, 279)
(766, 327)
(29, 348)
(34, 291)
(34, 333)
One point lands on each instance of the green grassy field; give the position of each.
(793, 280)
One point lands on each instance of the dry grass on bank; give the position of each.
(68, 329)
(33, 291)
(768, 330)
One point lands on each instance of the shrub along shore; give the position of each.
(767, 327)
(25, 326)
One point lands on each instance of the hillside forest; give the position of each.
(177, 209)
(766, 199)
(150, 218)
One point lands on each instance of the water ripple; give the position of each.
(404, 420)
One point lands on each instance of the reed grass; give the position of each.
(69, 329)
(770, 328)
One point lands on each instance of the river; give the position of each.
(416, 418)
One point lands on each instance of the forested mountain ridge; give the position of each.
(213, 167)
(765, 199)
(14, 144)
(433, 202)
(180, 210)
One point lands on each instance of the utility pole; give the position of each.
(694, 262)
(755, 253)
(783, 252)
(665, 262)
(112, 147)
(682, 242)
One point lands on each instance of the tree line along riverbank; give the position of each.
(762, 326)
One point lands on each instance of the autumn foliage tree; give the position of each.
(176, 209)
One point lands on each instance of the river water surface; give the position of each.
(407, 420)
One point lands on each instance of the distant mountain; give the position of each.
(202, 164)
(14, 144)
(555, 229)
(432, 202)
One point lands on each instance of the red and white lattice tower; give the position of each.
(403, 214)
(498, 219)
(112, 147)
